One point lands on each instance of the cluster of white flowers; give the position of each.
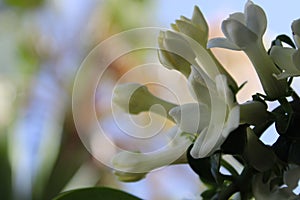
(215, 112)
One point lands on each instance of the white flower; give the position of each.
(244, 31)
(288, 59)
(131, 166)
(213, 118)
(191, 117)
(183, 48)
(225, 117)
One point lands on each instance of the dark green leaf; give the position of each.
(209, 194)
(282, 147)
(202, 167)
(215, 161)
(276, 182)
(96, 193)
(286, 39)
(294, 153)
(5, 169)
(235, 142)
(258, 155)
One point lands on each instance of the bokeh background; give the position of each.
(42, 45)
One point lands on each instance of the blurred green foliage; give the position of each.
(24, 4)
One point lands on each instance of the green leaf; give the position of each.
(259, 156)
(282, 147)
(286, 39)
(215, 161)
(294, 153)
(236, 141)
(209, 194)
(202, 167)
(96, 193)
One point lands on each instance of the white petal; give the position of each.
(192, 31)
(222, 43)
(123, 93)
(233, 121)
(204, 59)
(131, 162)
(296, 59)
(297, 40)
(223, 90)
(296, 31)
(238, 33)
(192, 117)
(285, 57)
(208, 141)
(196, 151)
(239, 16)
(282, 56)
(199, 19)
(199, 83)
(256, 19)
(180, 47)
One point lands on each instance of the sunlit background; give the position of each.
(43, 43)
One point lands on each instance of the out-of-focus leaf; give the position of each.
(24, 4)
(96, 193)
(5, 171)
(71, 156)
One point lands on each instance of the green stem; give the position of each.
(242, 184)
(231, 169)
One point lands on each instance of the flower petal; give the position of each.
(192, 31)
(199, 19)
(223, 90)
(169, 58)
(282, 56)
(256, 19)
(296, 59)
(296, 31)
(199, 83)
(233, 121)
(285, 58)
(239, 16)
(238, 33)
(191, 117)
(222, 43)
(131, 166)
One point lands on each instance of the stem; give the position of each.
(231, 169)
(241, 184)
